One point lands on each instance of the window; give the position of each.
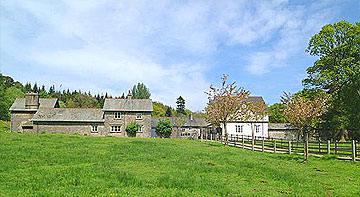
(115, 129)
(117, 115)
(138, 116)
(94, 128)
(257, 128)
(140, 129)
(239, 128)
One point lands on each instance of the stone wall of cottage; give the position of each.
(126, 119)
(69, 128)
(18, 119)
(284, 134)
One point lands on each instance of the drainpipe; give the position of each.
(124, 125)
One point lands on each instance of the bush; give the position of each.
(132, 128)
(164, 128)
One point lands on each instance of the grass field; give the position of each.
(68, 165)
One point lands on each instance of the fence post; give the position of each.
(236, 139)
(252, 142)
(353, 150)
(289, 147)
(243, 141)
(274, 146)
(306, 147)
(319, 146)
(263, 144)
(336, 148)
(328, 147)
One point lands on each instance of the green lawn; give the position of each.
(68, 165)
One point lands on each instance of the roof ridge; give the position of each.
(48, 98)
(71, 108)
(128, 99)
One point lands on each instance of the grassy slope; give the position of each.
(55, 164)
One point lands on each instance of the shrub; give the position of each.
(164, 128)
(132, 128)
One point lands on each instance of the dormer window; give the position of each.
(117, 115)
(138, 116)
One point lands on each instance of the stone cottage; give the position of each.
(283, 130)
(34, 115)
(182, 127)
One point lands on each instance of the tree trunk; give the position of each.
(225, 134)
(306, 146)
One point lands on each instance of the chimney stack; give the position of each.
(31, 100)
(129, 96)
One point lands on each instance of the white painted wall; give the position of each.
(231, 129)
(263, 124)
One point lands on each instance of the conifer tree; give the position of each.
(180, 108)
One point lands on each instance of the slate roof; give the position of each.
(255, 99)
(195, 122)
(19, 104)
(140, 105)
(281, 126)
(68, 115)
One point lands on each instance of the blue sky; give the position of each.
(174, 47)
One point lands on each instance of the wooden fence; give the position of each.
(344, 150)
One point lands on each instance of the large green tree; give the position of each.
(337, 71)
(140, 91)
(275, 113)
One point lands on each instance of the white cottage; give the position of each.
(244, 127)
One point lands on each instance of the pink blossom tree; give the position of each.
(227, 104)
(304, 113)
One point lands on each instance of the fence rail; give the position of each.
(350, 149)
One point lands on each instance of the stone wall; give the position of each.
(185, 132)
(68, 128)
(126, 119)
(284, 134)
(20, 118)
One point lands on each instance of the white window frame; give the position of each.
(117, 115)
(94, 129)
(139, 116)
(115, 129)
(140, 129)
(239, 128)
(257, 128)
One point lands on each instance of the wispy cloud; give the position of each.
(110, 45)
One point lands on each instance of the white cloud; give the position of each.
(165, 44)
